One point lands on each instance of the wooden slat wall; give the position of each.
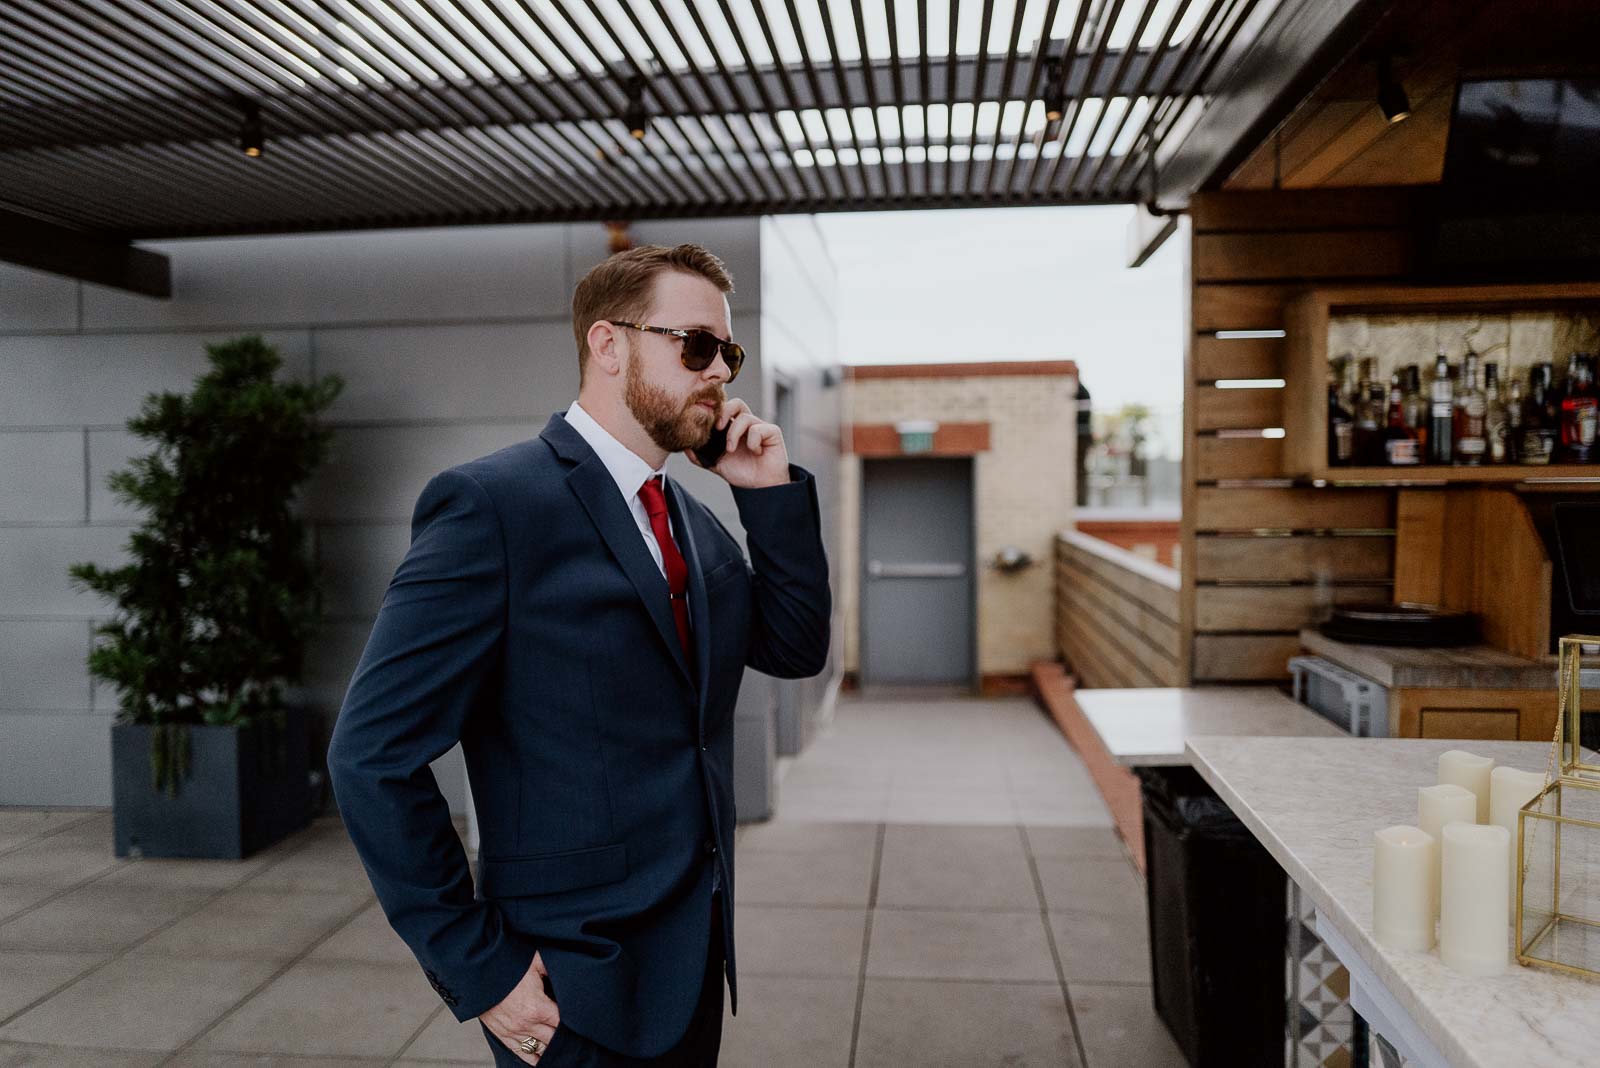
(1263, 553)
(1116, 615)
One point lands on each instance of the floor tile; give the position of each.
(48, 862)
(141, 1002)
(329, 1008)
(27, 975)
(946, 1024)
(1119, 1027)
(777, 836)
(198, 874)
(790, 1022)
(368, 937)
(821, 879)
(799, 941)
(1101, 948)
(14, 897)
(955, 867)
(260, 924)
(232, 1059)
(950, 806)
(24, 1055)
(95, 917)
(448, 1039)
(944, 944)
(313, 870)
(1100, 842)
(1091, 884)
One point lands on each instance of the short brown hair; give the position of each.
(618, 287)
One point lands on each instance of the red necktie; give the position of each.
(655, 506)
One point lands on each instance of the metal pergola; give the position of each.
(125, 120)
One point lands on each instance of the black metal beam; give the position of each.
(200, 117)
(32, 242)
(1295, 47)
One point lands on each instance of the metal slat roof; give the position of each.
(123, 116)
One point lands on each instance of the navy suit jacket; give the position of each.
(528, 622)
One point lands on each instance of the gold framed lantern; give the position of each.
(1557, 909)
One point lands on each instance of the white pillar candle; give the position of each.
(1437, 806)
(1509, 790)
(1473, 937)
(1471, 771)
(1405, 887)
(1442, 804)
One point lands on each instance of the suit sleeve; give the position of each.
(438, 636)
(793, 604)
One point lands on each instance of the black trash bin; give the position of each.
(1218, 907)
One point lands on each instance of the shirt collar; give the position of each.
(627, 468)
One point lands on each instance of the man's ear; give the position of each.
(605, 346)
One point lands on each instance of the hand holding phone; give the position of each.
(717, 444)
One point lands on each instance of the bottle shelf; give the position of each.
(1437, 475)
(1305, 395)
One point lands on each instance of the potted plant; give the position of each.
(213, 610)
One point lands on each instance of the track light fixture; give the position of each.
(1055, 90)
(1392, 97)
(252, 137)
(635, 115)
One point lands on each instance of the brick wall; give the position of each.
(1023, 485)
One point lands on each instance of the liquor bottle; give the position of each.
(1579, 409)
(1470, 446)
(1538, 425)
(1515, 404)
(1494, 415)
(1341, 425)
(1400, 445)
(1416, 410)
(1369, 425)
(1440, 429)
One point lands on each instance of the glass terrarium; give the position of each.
(1558, 837)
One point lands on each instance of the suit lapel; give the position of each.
(699, 607)
(597, 491)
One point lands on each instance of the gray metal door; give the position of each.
(916, 580)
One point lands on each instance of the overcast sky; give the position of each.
(1013, 283)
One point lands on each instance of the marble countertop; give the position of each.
(1148, 727)
(1470, 667)
(1315, 803)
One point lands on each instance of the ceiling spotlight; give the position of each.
(1055, 91)
(1392, 97)
(635, 115)
(252, 138)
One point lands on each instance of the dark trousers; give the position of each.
(697, 1049)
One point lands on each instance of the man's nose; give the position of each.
(718, 369)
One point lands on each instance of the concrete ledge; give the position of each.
(1119, 787)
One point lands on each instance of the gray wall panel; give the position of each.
(42, 665)
(450, 274)
(41, 476)
(36, 301)
(101, 379)
(466, 372)
(60, 759)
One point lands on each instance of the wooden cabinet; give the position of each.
(1498, 715)
(1307, 320)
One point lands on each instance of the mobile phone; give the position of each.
(717, 444)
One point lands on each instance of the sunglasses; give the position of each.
(700, 347)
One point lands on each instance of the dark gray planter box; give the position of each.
(243, 792)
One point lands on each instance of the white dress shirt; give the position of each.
(629, 471)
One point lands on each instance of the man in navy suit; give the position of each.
(581, 624)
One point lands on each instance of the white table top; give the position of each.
(1148, 727)
(1315, 803)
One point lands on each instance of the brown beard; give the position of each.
(672, 426)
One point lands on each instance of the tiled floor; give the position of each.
(940, 886)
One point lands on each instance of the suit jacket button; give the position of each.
(710, 846)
